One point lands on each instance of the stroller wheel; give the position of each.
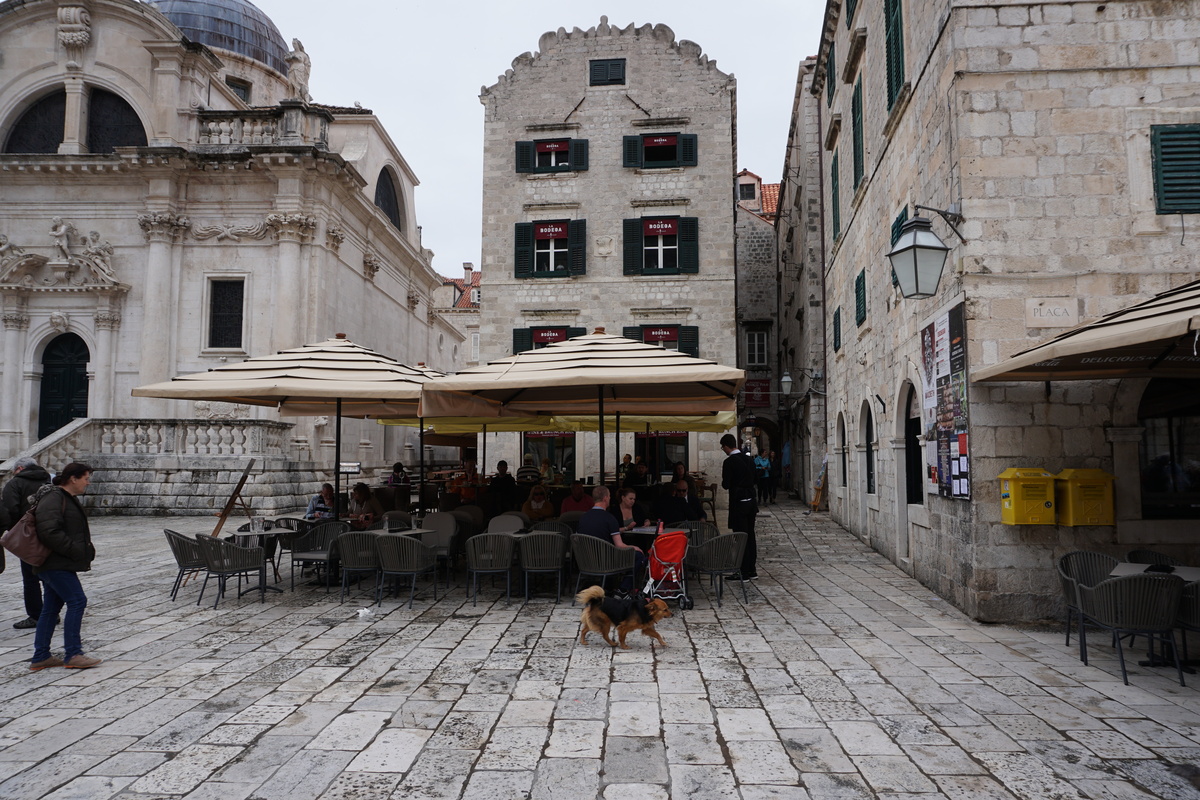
(686, 604)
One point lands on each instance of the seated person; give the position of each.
(538, 507)
(546, 473)
(680, 474)
(321, 505)
(365, 507)
(625, 467)
(628, 512)
(399, 476)
(577, 500)
(598, 522)
(503, 486)
(678, 505)
(528, 473)
(640, 476)
(467, 482)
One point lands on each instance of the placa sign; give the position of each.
(1051, 312)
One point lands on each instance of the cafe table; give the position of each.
(1188, 574)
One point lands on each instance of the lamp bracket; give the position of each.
(953, 217)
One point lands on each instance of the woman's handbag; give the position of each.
(22, 541)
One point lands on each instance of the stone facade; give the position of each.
(1036, 118)
(457, 302)
(218, 172)
(666, 87)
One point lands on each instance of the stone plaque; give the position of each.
(1051, 312)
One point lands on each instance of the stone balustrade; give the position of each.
(288, 125)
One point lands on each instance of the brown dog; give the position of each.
(601, 613)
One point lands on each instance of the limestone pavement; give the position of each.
(841, 678)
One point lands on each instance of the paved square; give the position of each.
(842, 678)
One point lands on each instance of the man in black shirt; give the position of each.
(737, 475)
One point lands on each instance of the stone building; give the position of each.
(1060, 141)
(173, 200)
(457, 301)
(608, 165)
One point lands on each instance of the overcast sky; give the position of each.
(419, 67)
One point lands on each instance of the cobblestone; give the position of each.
(841, 678)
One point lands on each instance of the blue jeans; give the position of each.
(62, 588)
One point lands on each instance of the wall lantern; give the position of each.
(785, 384)
(919, 255)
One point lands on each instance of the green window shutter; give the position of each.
(897, 226)
(837, 329)
(1176, 156)
(632, 332)
(573, 332)
(830, 77)
(523, 250)
(577, 246)
(689, 340)
(688, 153)
(893, 19)
(860, 298)
(606, 72)
(835, 200)
(631, 149)
(522, 340)
(689, 245)
(851, 5)
(579, 154)
(633, 246)
(525, 157)
(857, 121)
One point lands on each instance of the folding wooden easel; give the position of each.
(235, 498)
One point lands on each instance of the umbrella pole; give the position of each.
(421, 490)
(337, 463)
(600, 393)
(483, 458)
(616, 455)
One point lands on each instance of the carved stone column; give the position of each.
(16, 325)
(288, 298)
(75, 127)
(162, 230)
(101, 405)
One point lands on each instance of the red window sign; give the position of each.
(552, 147)
(660, 227)
(548, 435)
(662, 434)
(550, 230)
(758, 393)
(541, 335)
(659, 141)
(665, 334)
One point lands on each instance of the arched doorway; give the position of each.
(64, 383)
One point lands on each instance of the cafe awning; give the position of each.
(1157, 338)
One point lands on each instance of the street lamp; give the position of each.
(919, 255)
(785, 384)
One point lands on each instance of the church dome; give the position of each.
(235, 25)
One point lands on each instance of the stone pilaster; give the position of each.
(162, 229)
(292, 231)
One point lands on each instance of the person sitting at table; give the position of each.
(577, 500)
(680, 474)
(639, 477)
(678, 506)
(503, 486)
(538, 507)
(546, 473)
(628, 512)
(321, 505)
(528, 473)
(598, 522)
(399, 476)
(625, 467)
(467, 483)
(365, 507)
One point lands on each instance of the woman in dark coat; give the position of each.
(63, 527)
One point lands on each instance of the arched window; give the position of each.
(388, 199)
(869, 449)
(112, 123)
(40, 128)
(1170, 451)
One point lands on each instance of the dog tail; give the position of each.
(592, 594)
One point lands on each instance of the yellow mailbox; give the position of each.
(1026, 496)
(1084, 497)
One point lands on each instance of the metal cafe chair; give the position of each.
(1136, 605)
(404, 556)
(597, 558)
(490, 554)
(542, 553)
(718, 558)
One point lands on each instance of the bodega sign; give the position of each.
(1051, 312)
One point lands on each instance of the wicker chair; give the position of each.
(357, 553)
(505, 523)
(571, 518)
(1081, 568)
(1136, 605)
(1189, 613)
(225, 560)
(1152, 557)
(718, 558)
(473, 513)
(313, 547)
(188, 558)
(543, 553)
(600, 559)
(450, 538)
(404, 556)
(490, 554)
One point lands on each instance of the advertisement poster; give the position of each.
(944, 403)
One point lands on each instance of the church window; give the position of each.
(552, 155)
(388, 199)
(240, 87)
(656, 150)
(112, 123)
(226, 304)
(606, 72)
(40, 128)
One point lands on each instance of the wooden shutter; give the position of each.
(579, 154)
(523, 250)
(689, 245)
(893, 31)
(837, 329)
(856, 112)
(632, 332)
(616, 71)
(688, 150)
(633, 246)
(851, 5)
(631, 149)
(598, 73)
(830, 77)
(577, 246)
(835, 199)
(689, 340)
(573, 332)
(860, 298)
(1176, 156)
(897, 226)
(526, 158)
(522, 340)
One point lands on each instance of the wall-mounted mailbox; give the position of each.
(1026, 496)
(1084, 497)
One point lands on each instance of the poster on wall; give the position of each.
(944, 404)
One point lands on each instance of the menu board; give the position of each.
(944, 405)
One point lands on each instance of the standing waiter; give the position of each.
(737, 475)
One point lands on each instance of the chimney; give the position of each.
(468, 272)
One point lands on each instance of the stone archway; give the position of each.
(64, 392)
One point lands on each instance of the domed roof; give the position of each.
(235, 25)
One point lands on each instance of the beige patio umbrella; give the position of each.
(594, 375)
(335, 376)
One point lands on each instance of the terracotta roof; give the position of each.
(464, 291)
(770, 199)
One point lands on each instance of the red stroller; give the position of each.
(666, 579)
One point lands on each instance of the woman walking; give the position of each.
(63, 527)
